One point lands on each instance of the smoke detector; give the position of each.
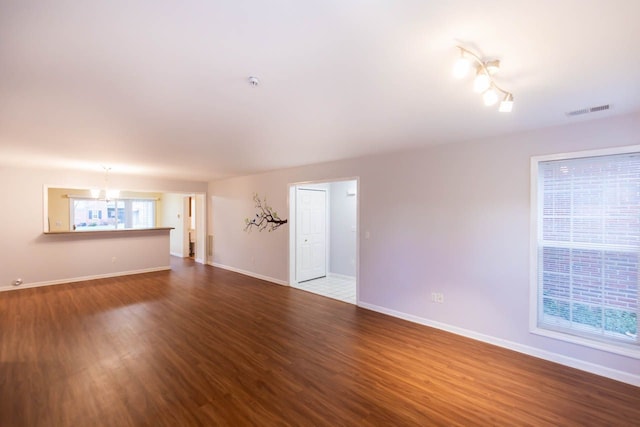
(253, 81)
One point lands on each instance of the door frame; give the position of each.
(201, 225)
(291, 205)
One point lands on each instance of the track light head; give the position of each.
(483, 82)
(489, 97)
(492, 66)
(462, 66)
(507, 104)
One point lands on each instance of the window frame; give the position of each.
(126, 208)
(626, 349)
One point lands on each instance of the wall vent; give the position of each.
(587, 110)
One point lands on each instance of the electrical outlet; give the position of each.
(437, 297)
(113, 260)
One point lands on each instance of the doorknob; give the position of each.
(305, 240)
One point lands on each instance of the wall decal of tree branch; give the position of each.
(266, 217)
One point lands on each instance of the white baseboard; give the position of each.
(625, 377)
(250, 274)
(84, 278)
(176, 254)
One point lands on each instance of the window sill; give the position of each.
(629, 350)
(120, 230)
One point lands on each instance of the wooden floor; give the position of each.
(203, 346)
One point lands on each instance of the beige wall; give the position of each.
(58, 208)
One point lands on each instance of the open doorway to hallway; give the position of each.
(323, 244)
(185, 214)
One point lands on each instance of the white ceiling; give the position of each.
(160, 87)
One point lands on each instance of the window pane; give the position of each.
(589, 245)
(90, 214)
(586, 315)
(621, 322)
(556, 308)
(143, 215)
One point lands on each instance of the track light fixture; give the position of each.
(483, 82)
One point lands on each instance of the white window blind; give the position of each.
(588, 235)
(91, 214)
(143, 213)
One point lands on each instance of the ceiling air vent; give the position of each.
(587, 110)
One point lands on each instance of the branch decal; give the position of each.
(266, 218)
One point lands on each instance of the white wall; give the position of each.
(173, 216)
(25, 252)
(342, 227)
(450, 218)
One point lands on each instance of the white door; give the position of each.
(311, 235)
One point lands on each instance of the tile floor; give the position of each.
(336, 287)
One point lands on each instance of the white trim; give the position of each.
(341, 276)
(84, 278)
(249, 273)
(614, 374)
(533, 246)
(631, 351)
(176, 254)
(535, 238)
(627, 149)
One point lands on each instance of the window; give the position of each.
(586, 234)
(95, 214)
(92, 214)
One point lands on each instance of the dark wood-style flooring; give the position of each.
(203, 346)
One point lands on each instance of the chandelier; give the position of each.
(105, 194)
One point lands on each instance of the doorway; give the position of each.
(185, 214)
(323, 244)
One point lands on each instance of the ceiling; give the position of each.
(160, 87)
